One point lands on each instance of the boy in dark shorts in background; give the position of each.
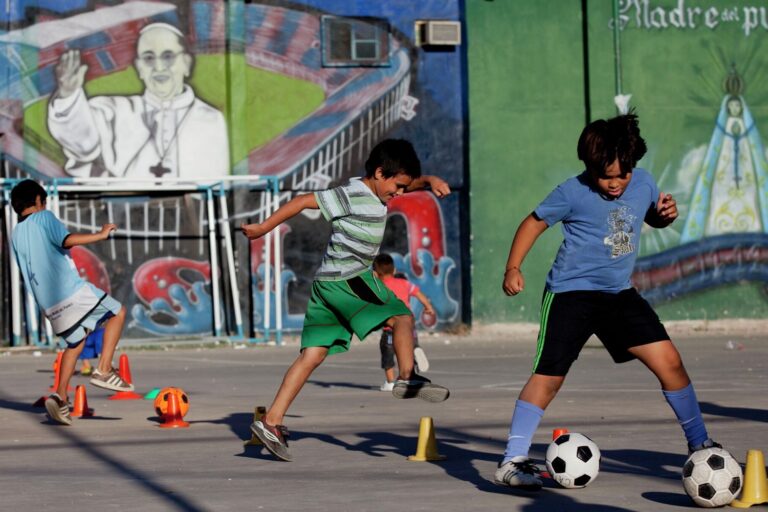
(588, 289)
(74, 307)
(384, 268)
(346, 296)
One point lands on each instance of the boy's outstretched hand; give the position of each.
(666, 207)
(253, 231)
(514, 282)
(106, 229)
(439, 186)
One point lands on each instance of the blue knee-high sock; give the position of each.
(525, 421)
(686, 407)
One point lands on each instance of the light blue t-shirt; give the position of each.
(601, 236)
(50, 273)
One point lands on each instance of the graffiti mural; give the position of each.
(292, 91)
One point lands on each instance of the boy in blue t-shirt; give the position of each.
(74, 307)
(588, 289)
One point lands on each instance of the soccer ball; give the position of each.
(712, 477)
(161, 401)
(573, 460)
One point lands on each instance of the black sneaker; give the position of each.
(274, 438)
(420, 387)
(520, 473)
(709, 443)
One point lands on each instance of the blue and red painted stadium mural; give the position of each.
(152, 89)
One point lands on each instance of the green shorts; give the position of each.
(337, 309)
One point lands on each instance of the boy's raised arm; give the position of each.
(438, 185)
(88, 238)
(526, 235)
(285, 212)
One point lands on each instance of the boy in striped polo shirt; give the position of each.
(346, 296)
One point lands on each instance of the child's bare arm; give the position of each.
(425, 302)
(88, 238)
(526, 235)
(438, 185)
(285, 212)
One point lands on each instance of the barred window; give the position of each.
(354, 41)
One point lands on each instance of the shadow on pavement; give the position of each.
(742, 413)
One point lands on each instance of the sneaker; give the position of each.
(58, 409)
(274, 438)
(420, 387)
(520, 472)
(421, 359)
(387, 386)
(709, 443)
(111, 380)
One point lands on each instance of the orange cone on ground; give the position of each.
(40, 402)
(57, 373)
(173, 418)
(80, 408)
(755, 490)
(558, 432)
(125, 374)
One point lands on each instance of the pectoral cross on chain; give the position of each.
(159, 170)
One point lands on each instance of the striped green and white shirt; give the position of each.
(358, 218)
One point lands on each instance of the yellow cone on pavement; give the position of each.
(426, 449)
(755, 489)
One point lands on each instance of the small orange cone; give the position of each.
(40, 402)
(755, 489)
(558, 432)
(426, 449)
(81, 409)
(258, 413)
(125, 374)
(57, 373)
(172, 418)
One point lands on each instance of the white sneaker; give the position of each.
(421, 359)
(519, 472)
(387, 386)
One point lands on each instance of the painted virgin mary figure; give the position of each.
(731, 190)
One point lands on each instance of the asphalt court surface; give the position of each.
(350, 441)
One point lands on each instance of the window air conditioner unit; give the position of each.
(438, 33)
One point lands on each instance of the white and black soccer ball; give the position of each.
(573, 460)
(712, 477)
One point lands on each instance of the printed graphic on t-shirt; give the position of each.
(620, 232)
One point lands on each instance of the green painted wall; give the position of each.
(528, 104)
(526, 112)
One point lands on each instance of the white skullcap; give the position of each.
(166, 26)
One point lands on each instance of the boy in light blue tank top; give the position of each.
(588, 290)
(74, 307)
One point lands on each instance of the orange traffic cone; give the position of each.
(81, 409)
(40, 402)
(125, 374)
(755, 490)
(57, 373)
(173, 418)
(558, 432)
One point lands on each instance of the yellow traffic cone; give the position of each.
(258, 413)
(426, 449)
(755, 489)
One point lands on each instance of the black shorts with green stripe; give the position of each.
(620, 320)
